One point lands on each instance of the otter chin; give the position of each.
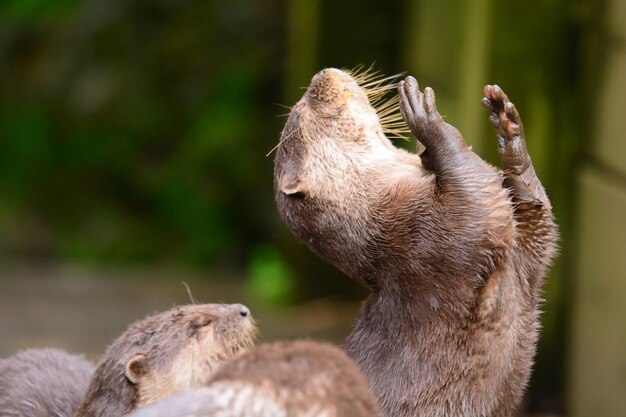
(453, 250)
(166, 353)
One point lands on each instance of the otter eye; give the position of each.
(298, 195)
(197, 324)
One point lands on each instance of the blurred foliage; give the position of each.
(270, 278)
(136, 130)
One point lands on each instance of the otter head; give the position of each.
(333, 154)
(333, 129)
(167, 353)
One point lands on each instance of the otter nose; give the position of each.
(241, 309)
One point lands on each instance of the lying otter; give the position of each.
(284, 379)
(164, 354)
(454, 260)
(43, 383)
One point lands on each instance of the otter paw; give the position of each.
(419, 110)
(507, 124)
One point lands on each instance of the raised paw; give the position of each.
(421, 116)
(418, 109)
(507, 123)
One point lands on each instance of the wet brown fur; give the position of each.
(454, 259)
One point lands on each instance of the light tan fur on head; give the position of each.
(198, 360)
(167, 353)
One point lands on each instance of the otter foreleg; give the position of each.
(519, 172)
(446, 152)
(533, 211)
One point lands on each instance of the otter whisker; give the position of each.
(354, 71)
(395, 128)
(281, 141)
(392, 120)
(362, 74)
(383, 104)
(393, 101)
(387, 109)
(369, 78)
(285, 107)
(380, 81)
(398, 126)
(376, 87)
(189, 292)
(376, 99)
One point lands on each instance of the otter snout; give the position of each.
(326, 85)
(241, 309)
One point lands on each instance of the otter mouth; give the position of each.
(240, 339)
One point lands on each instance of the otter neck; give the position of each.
(108, 396)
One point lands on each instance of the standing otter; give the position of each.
(164, 354)
(454, 259)
(284, 379)
(43, 383)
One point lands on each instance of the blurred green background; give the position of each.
(133, 142)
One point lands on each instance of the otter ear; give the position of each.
(291, 184)
(136, 368)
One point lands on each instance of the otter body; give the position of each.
(453, 250)
(43, 383)
(164, 354)
(284, 379)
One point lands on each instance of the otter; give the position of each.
(453, 250)
(281, 379)
(164, 354)
(43, 383)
